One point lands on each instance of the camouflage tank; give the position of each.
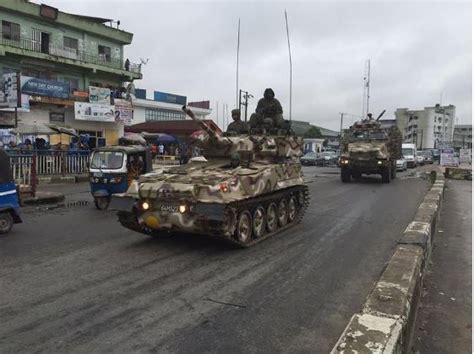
(244, 188)
(368, 148)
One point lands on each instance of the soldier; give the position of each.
(237, 126)
(267, 107)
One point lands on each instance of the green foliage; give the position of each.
(313, 133)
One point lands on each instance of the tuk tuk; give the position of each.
(9, 202)
(113, 168)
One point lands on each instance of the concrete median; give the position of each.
(385, 323)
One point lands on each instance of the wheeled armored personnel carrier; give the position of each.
(243, 188)
(368, 148)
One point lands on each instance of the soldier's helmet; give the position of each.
(269, 93)
(235, 112)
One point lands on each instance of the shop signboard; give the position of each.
(99, 95)
(56, 117)
(25, 105)
(9, 91)
(169, 98)
(123, 112)
(94, 112)
(447, 157)
(48, 88)
(465, 155)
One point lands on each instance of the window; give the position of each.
(11, 30)
(95, 138)
(71, 43)
(104, 53)
(159, 114)
(73, 83)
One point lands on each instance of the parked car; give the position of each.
(309, 159)
(327, 158)
(401, 164)
(420, 158)
(436, 154)
(427, 154)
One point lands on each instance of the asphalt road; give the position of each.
(72, 279)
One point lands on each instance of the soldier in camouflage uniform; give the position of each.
(267, 107)
(237, 126)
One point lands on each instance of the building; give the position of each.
(330, 137)
(388, 123)
(67, 66)
(164, 107)
(462, 138)
(431, 127)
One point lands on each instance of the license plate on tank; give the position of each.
(169, 208)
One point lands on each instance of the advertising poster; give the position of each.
(123, 112)
(465, 155)
(169, 98)
(99, 95)
(9, 91)
(48, 88)
(93, 112)
(447, 157)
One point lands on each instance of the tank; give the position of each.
(368, 148)
(243, 188)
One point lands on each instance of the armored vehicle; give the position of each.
(243, 188)
(368, 148)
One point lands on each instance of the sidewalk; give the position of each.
(444, 323)
(60, 192)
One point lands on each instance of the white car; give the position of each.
(401, 164)
(420, 159)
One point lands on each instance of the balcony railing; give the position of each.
(69, 53)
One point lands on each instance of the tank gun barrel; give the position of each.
(380, 115)
(202, 125)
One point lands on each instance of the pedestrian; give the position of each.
(161, 149)
(127, 65)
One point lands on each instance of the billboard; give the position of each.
(169, 98)
(99, 95)
(447, 157)
(200, 104)
(123, 112)
(94, 112)
(9, 92)
(49, 88)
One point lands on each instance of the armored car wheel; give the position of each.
(6, 223)
(243, 231)
(282, 212)
(272, 217)
(258, 222)
(292, 209)
(345, 175)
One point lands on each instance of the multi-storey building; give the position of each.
(462, 136)
(431, 127)
(58, 57)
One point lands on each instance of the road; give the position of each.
(73, 279)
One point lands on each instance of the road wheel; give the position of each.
(243, 232)
(393, 172)
(258, 223)
(272, 217)
(292, 209)
(345, 175)
(6, 223)
(102, 203)
(282, 212)
(386, 174)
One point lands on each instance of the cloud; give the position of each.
(417, 49)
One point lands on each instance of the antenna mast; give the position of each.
(291, 64)
(366, 96)
(237, 70)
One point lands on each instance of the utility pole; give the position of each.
(217, 113)
(245, 103)
(340, 130)
(366, 94)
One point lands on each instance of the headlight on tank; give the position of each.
(379, 162)
(145, 205)
(182, 208)
(224, 187)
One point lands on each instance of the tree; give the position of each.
(313, 133)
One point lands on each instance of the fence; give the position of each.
(49, 162)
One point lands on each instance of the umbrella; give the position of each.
(33, 129)
(62, 130)
(165, 138)
(134, 138)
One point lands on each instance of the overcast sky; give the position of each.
(417, 50)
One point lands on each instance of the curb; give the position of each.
(62, 179)
(385, 324)
(50, 198)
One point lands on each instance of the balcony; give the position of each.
(68, 53)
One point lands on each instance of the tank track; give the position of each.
(128, 220)
(273, 197)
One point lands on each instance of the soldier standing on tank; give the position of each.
(267, 107)
(237, 126)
